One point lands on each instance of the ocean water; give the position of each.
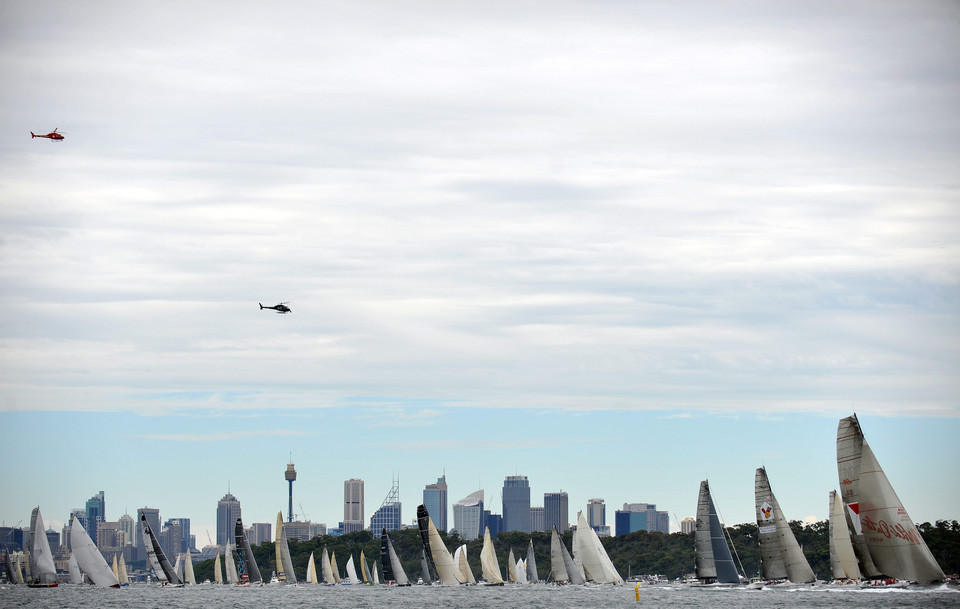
(467, 597)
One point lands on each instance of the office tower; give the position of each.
(516, 504)
(389, 516)
(596, 513)
(260, 532)
(435, 500)
(184, 533)
(555, 511)
(290, 475)
(96, 512)
(352, 505)
(688, 525)
(537, 519)
(228, 510)
(171, 538)
(128, 527)
(641, 517)
(53, 538)
(468, 516)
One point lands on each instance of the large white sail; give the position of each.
(351, 572)
(325, 570)
(849, 452)
(312, 571)
(593, 556)
(229, 566)
(446, 570)
(511, 567)
(217, 570)
(558, 571)
(521, 570)
(124, 578)
(489, 565)
(843, 561)
(188, 575)
(89, 557)
(466, 573)
(285, 558)
(714, 562)
(531, 563)
(574, 571)
(281, 571)
(780, 554)
(894, 543)
(376, 576)
(73, 568)
(398, 574)
(43, 572)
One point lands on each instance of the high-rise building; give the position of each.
(555, 512)
(468, 516)
(185, 536)
(516, 504)
(494, 522)
(688, 525)
(641, 517)
(153, 519)
(96, 513)
(259, 532)
(596, 513)
(228, 510)
(290, 475)
(389, 516)
(352, 505)
(128, 527)
(435, 500)
(171, 538)
(538, 520)
(53, 539)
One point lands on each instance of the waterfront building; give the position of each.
(641, 517)
(516, 504)
(468, 516)
(435, 500)
(555, 512)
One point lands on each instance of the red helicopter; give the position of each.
(53, 135)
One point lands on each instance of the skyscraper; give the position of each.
(516, 504)
(228, 510)
(468, 516)
(537, 521)
(596, 513)
(96, 513)
(389, 516)
(556, 511)
(352, 505)
(641, 517)
(129, 529)
(435, 500)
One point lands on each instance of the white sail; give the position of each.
(351, 572)
(466, 572)
(229, 566)
(325, 569)
(217, 570)
(574, 571)
(312, 571)
(334, 567)
(780, 554)
(124, 578)
(188, 575)
(89, 557)
(596, 563)
(43, 572)
(73, 567)
(511, 567)
(376, 577)
(521, 570)
(893, 541)
(446, 570)
(398, 573)
(531, 564)
(18, 572)
(178, 567)
(843, 561)
(489, 565)
(281, 572)
(286, 559)
(714, 562)
(557, 569)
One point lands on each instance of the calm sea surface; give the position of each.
(526, 597)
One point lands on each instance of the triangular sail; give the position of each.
(312, 571)
(463, 564)
(442, 560)
(590, 551)
(89, 557)
(894, 543)
(511, 567)
(43, 571)
(558, 570)
(334, 567)
(229, 566)
(73, 568)
(424, 567)
(397, 574)
(281, 567)
(385, 557)
(124, 578)
(217, 570)
(247, 563)
(285, 557)
(115, 568)
(849, 451)
(780, 554)
(489, 565)
(843, 560)
(574, 574)
(351, 572)
(376, 576)
(188, 575)
(714, 562)
(364, 570)
(531, 562)
(325, 570)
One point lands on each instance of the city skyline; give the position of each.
(626, 248)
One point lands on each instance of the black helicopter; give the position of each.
(281, 308)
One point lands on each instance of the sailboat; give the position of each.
(217, 570)
(351, 573)
(392, 569)
(714, 563)
(882, 530)
(89, 557)
(531, 562)
(229, 566)
(511, 567)
(290, 576)
(558, 570)
(781, 558)
(843, 560)
(325, 570)
(376, 576)
(281, 573)
(155, 556)
(115, 568)
(334, 567)
(312, 571)
(123, 578)
(246, 563)
(521, 571)
(460, 558)
(43, 573)
(489, 565)
(425, 578)
(442, 560)
(364, 570)
(188, 575)
(8, 562)
(596, 562)
(73, 568)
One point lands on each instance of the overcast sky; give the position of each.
(618, 247)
